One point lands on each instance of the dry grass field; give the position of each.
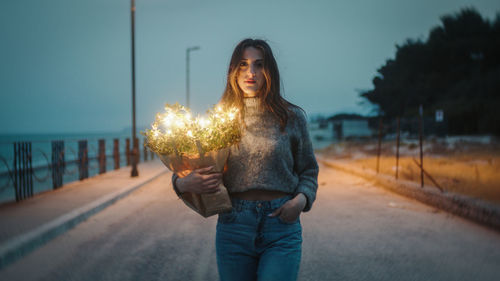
(468, 168)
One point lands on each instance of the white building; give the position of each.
(349, 126)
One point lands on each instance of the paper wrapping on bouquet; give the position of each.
(206, 204)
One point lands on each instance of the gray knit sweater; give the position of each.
(268, 159)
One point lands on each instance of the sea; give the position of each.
(42, 158)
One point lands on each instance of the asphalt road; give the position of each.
(355, 231)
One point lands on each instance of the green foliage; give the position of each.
(176, 132)
(456, 69)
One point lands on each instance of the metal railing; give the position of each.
(31, 167)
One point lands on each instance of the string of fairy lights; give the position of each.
(177, 132)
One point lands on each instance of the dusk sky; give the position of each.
(65, 66)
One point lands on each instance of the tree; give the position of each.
(456, 69)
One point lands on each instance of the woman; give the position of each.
(271, 175)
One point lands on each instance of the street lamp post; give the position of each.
(188, 50)
(135, 141)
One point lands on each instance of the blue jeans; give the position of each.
(251, 246)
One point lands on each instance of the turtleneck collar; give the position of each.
(251, 102)
(252, 106)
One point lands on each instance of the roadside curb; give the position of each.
(476, 210)
(21, 245)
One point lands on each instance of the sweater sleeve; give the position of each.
(305, 164)
(174, 178)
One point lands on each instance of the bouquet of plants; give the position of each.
(184, 143)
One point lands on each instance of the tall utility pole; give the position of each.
(188, 50)
(135, 141)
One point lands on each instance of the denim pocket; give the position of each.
(285, 222)
(227, 217)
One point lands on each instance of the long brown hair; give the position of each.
(270, 95)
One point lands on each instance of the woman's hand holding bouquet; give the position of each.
(199, 181)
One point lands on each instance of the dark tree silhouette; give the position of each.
(456, 69)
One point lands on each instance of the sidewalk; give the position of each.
(481, 212)
(28, 224)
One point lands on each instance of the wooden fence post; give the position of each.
(397, 146)
(420, 133)
(145, 150)
(127, 150)
(379, 143)
(83, 159)
(116, 153)
(102, 156)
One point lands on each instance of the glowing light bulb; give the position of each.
(166, 121)
(202, 122)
